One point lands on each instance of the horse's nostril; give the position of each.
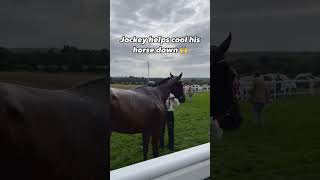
(182, 99)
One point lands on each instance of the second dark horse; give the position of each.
(142, 110)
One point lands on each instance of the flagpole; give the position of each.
(148, 69)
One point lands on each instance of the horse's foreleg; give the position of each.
(155, 143)
(145, 139)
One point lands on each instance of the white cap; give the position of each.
(171, 96)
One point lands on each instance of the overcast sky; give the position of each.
(286, 25)
(53, 23)
(160, 17)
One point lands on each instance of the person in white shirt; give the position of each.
(171, 102)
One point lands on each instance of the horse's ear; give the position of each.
(180, 75)
(171, 75)
(224, 46)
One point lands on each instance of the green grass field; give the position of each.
(124, 86)
(287, 147)
(191, 129)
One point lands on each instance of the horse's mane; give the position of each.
(160, 82)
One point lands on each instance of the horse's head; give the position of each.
(177, 88)
(223, 101)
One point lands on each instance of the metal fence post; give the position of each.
(311, 85)
(274, 89)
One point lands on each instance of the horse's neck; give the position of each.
(156, 92)
(165, 90)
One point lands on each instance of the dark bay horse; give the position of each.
(142, 110)
(224, 104)
(53, 134)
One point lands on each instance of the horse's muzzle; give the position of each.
(182, 99)
(232, 119)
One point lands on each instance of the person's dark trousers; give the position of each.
(170, 126)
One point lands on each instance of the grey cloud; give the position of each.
(166, 18)
(267, 25)
(53, 23)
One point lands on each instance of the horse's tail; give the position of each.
(10, 108)
(13, 137)
(114, 103)
(113, 97)
(11, 116)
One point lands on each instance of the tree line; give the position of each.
(68, 58)
(143, 80)
(289, 63)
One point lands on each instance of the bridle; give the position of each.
(182, 94)
(226, 113)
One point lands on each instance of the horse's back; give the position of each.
(132, 99)
(131, 111)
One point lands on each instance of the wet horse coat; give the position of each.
(53, 134)
(130, 103)
(142, 110)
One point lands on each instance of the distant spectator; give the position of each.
(236, 85)
(259, 98)
(190, 93)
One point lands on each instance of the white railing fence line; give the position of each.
(282, 88)
(188, 164)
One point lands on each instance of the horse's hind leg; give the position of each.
(145, 139)
(155, 143)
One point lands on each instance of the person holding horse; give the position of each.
(171, 102)
(259, 97)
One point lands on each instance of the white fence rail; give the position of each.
(188, 164)
(282, 88)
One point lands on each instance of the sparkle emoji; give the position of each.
(183, 50)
